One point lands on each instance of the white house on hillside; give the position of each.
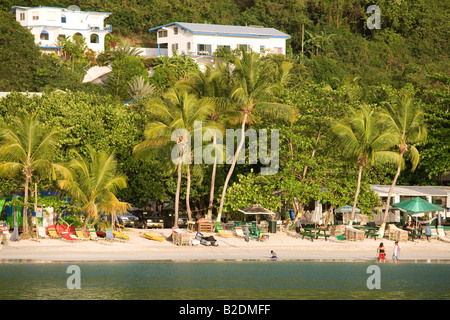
(202, 40)
(47, 24)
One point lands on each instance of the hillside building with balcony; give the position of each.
(48, 24)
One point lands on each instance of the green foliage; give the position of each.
(124, 69)
(18, 55)
(248, 190)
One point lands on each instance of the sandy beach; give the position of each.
(286, 244)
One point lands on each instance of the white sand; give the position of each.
(286, 245)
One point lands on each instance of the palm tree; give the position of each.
(363, 136)
(173, 124)
(138, 88)
(253, 90)
(213, 87)
(406, 119)
(92, 182)
(26, 150)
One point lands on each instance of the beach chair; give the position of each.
(339, 235)
(93, 235)
(66, 236)
(238, 231)
(110, 236)
(42, 234)
(441, 234)
(223, 233)
(53, 234)
(80, 234)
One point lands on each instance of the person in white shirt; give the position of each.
(396, 253)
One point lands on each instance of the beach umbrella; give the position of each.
(256, 209)
(416, 205)
(346, 209)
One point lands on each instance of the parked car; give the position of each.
(169, 218)
(127, 220)
(148, 219)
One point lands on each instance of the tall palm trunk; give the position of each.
(358, 187)
(388, 201)
(25, 206)
(177, 194)
(188, 190)
(213, 181)
(233, 164)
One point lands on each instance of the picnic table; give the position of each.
(315, 233)
(416, 233)
(369, 231)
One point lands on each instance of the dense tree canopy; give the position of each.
(336, 64)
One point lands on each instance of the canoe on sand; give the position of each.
(150, 236)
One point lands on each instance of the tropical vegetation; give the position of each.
(353, 106)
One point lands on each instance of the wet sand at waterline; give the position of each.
(286, 244)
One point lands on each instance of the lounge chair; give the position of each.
(223, 233)
(93, 235)
(339, 235)
(110, 236)
(80, 234)
(68, 237)
(53, 234)
(239, 232)
(441, 234)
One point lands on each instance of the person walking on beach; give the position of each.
(381, 253)
(396, 253)
(298, 226)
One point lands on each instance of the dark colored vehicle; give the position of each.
(169, 218)
(147, 219)
(127, 220)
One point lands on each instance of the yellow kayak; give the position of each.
(120, 235)
(150, 236)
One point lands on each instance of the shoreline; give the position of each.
(287, 246)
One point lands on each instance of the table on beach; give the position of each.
(368, 231)
(414, 233)
(315, 233)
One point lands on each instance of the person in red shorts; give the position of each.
(381, 253)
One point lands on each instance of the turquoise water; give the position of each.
(229, 280)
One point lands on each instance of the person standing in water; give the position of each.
(381, 253)
(396, 253)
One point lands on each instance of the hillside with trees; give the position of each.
(337, 72)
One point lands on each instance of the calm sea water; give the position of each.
(231, 280)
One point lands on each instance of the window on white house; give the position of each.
(174, 47)
(244, 47)
(61, 36)
(204, 49)
(35, 16)
(188, 46)
(44, 35)
(63, 19)
(175, 30)
(162, 33)
(22, 16)
(262, 49)
(94, 38)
